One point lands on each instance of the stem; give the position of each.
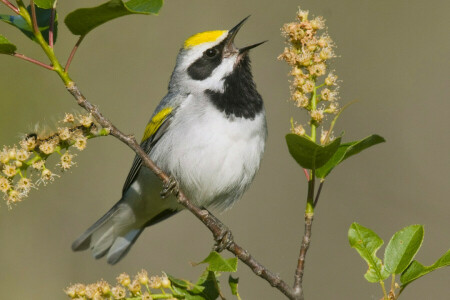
(72, 54)
(10, 5)
(52, 25)
(393, 283)
(309, 216)
(33, 17)
(306, 174)
(384, 290)
(318, 192)
(399, 292)
(327, 137)
(21, 56)
(313, 107)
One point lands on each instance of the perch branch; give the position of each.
(217, 228)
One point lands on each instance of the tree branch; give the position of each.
(10, 5)
(218, 229)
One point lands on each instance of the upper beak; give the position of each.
(230, 48)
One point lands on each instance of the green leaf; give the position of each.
(416, 270)
(206, 287)
(83, 20)
(46, 4)
(367, 242)
(402, 248)
(219, 264)
(308, 154)
(6, 47)
(42, 18)
(233, 282)
(345, 151)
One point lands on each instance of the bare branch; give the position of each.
(309, 215)
(10, 5)
(21, 56)
(298, 287)
(217, 228)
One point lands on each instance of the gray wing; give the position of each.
(147, 145)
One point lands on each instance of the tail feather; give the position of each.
(83, 242)
(122, 245)
(114, 234)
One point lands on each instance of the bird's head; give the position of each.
(208, 58)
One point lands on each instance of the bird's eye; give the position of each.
(211, 52)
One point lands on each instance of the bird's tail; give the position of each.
(112, 235)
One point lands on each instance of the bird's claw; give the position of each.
(224, 240)
(170, 187)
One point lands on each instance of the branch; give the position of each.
(21, 56)
(72, 53)
(298, 278)
(309, 216)
(10, 5)
(220, 232)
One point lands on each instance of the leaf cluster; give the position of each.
(398, 255)
(207, 287)
(80, 21)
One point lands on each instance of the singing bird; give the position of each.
(208, 133)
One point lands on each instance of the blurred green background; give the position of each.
(394, 58)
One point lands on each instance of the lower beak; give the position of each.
(230, 48)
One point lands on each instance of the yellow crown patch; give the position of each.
(203, 37)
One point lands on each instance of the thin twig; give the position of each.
(21, 56)
(33, 17)
(306, 174)
(217, 228)
(72, 54)
(318, 192)
(10, 5)
(52, 25)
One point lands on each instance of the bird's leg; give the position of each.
(223, 237)
(170, 187)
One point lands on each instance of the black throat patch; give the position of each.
(240, 97)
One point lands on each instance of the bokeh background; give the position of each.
(394, 58)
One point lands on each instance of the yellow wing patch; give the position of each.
(156, 122)
(203, 37)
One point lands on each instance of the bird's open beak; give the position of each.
(230, 48)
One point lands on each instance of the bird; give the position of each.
(208, 133)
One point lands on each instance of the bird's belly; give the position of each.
(213, 158)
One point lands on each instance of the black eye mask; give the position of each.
(203, 67)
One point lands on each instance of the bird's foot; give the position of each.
(170, 187)
(224, 239)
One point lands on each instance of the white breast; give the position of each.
(214, 158)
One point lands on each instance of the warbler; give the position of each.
(208, 133)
